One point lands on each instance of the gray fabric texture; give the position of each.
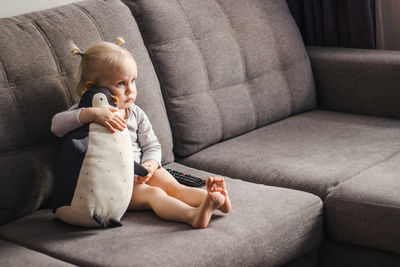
(267, 226)
(365, 210)
(37, 80)
(313, 151)
(362, 81)
(334, 254)
(14, 255)
(225, 67)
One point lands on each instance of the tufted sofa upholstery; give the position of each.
(230, 89)
(228, 63)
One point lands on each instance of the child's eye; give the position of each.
(121, 83)
(133, 80)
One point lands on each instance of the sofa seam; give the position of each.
(279, 69)
(193, 38)
(332, 189)
(4, 74)
(13, 96)
(236, 246)
(290, 96)
(38, 250)
(164, 94)
(27, 149)
(55, 74)
(159, 82)
(289, 89)
(309, 207)
(240, 51)
(20, 112)
(57, 63)
(255, 236)
(42, 190)
(365, 203)
(249, 80)
(204, 66)
(92, 20)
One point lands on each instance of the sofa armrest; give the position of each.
(359, 81)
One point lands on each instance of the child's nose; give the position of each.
(129, 89)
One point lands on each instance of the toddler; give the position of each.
(109, 65)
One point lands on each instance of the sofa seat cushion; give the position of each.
(12, 254)
(365, 210)
(312, 151)
(267, 226)
(225, 67)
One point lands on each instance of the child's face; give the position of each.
(122, 83)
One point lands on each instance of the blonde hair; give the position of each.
(98, 54)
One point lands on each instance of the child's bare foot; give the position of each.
(217, 184)
(214, 200)
(203, 215)
(217, 198)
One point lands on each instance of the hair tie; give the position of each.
(77, 52)
(119, 41)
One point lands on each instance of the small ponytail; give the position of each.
(119, 41)
(77, 52)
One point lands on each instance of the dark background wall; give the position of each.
(342, 23)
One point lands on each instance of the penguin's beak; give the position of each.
(114, 99)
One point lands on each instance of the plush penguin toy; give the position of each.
(94, 178)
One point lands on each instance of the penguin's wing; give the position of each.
(69, 165)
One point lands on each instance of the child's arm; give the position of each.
(148, 142)
(151, 148)
(66, 121)
(151, 166)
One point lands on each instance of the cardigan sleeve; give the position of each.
(148, 142)
(66, 121)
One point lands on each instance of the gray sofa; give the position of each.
(308, 139)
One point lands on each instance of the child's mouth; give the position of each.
(131, 99)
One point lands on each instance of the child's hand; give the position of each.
(151, 166)
(108, 117)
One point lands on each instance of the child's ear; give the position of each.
(90, 85)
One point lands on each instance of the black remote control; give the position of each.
(139, 169)
(187, 179)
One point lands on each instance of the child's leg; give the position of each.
(190, 195)
(149, 197)
(170, 208)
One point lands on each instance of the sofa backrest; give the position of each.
(37, 80)
(225, 66)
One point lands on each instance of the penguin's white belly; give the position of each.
(105, 182)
